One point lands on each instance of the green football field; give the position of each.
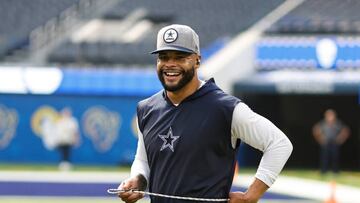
(351, 178)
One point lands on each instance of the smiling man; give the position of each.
(189, 133)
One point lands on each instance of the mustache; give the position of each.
(172, 69)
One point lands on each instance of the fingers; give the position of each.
(125, 185)
(237, 197)
(129, 196)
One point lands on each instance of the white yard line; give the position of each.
(305, 188)
(54, 176)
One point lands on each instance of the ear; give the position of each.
(198, 61)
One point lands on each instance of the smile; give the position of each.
(172, 73)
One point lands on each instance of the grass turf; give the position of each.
(351, 178)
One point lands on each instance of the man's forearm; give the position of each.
(256, 190)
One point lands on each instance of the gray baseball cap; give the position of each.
(179, 38)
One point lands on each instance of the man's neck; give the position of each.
(178, 96)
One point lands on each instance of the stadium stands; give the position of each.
(20, 17)
(311, 17)
(233, 16)
(321, 16)
(318, 34)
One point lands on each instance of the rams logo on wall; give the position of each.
(43, 123)
(101, 126)
(8, 124)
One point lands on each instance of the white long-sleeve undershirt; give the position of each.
(260, 133)
(249, 127)
(140, 164)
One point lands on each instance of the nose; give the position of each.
(170, 62)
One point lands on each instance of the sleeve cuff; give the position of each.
(266, 176)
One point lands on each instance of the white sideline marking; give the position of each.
(55, 176)
(306, 188)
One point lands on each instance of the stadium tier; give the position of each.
(308, 53)
(125, 32)
(319, 17)
(20, 17)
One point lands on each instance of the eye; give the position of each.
(163, 58)
(180, 57)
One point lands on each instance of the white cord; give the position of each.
(117, 191)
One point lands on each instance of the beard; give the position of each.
(187, 76)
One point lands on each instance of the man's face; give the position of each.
(330, 116)
(175, 69)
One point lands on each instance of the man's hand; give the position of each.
(136, 183)
(252, 195)
(240, 197)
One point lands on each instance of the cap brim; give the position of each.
(173, 48)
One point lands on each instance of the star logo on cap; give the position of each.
(169, 140)
(170, 35)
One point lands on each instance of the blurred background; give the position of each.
(288, 60)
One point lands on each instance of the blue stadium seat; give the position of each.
(321, 16)
(20, 17)
(213, 20)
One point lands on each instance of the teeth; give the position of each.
(171, 73)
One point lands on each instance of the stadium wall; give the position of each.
(103, 101)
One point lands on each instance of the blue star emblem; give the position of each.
(169, 140)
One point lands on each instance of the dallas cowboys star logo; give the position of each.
(169, 140)
(170, 35)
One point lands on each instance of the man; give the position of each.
(67, 132)
(189, 133)
(330, 133)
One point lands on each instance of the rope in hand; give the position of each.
(117, 191)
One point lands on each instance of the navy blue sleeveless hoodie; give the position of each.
(189, 146)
